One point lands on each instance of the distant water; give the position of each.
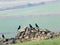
(11, 24)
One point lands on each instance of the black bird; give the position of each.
(30, 26)
(3, 36)
(19, 27)
(36, 25)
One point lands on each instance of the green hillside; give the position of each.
(55, 41)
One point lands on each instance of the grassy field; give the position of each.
(55, 41)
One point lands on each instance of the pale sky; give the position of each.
(8, 3)
(47, 9)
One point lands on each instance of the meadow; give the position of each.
(55, 41)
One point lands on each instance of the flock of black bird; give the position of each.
(4, 41)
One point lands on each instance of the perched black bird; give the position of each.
(3, 36)
(36, 25)
(19, 27)
(30, 26)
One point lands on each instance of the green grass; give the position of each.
(55, 41)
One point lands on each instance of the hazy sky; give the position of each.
(4, 3)
(49, 8)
